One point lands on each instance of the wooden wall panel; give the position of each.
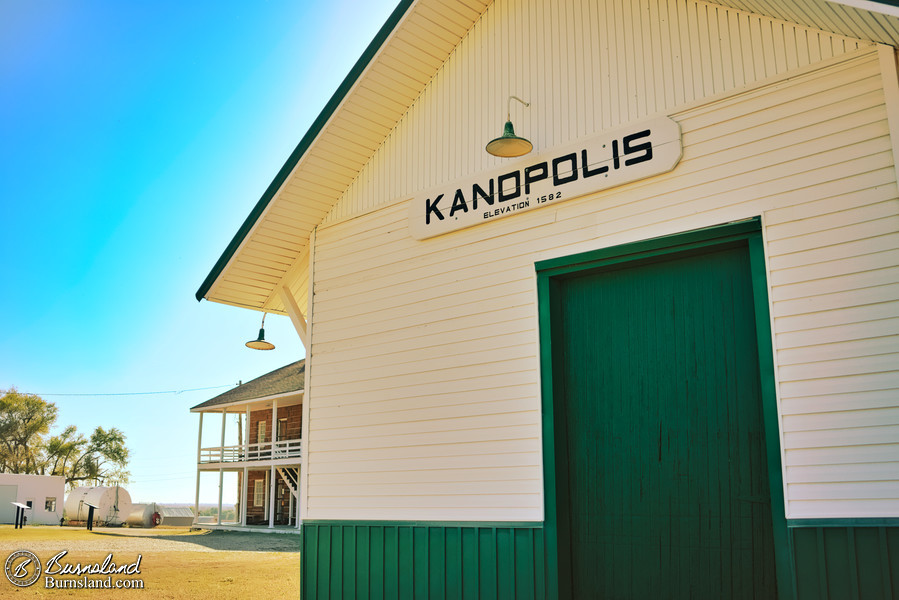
(585, 67)
(436, 341)
(422, 560)
(846, 562)
(465, 560)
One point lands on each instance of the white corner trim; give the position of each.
(889, 72)
(303, 498)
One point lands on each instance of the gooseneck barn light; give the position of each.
(260, 343)
(509, 145)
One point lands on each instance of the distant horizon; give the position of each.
(189, 505)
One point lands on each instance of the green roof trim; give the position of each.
(304, 144)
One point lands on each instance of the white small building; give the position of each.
(43, 493)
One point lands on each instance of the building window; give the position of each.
(30, 503)
(282, 429)
(258, 492)
(260, 434)
(50, 504)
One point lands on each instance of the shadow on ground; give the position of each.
(226, 541)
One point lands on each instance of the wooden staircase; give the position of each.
(291, 476)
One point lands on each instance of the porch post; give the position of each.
(299, 524)
(199, 447)
(197, 501)
(290, 507)
(274, 425)
(244, 497)
(200, 439)
(221, 460)
(271, 504)
(221, 485)
(222, 446)
(274, 484)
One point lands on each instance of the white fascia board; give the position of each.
(870, 6)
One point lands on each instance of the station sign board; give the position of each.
(613, 158)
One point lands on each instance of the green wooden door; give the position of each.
(660, 428)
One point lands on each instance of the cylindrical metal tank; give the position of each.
(113, 504)
(144, 515)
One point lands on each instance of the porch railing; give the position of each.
(251, 452)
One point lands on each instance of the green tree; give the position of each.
(24, 421)
(101, 459)
(63, 449)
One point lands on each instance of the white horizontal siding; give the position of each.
(504, 443)
(425, 360)
(585, 66)
(810, 509)
(506, 459)
(841, 473)
(840, 367)
(859, 455)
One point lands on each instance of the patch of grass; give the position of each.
(54, 533)
(8, 533)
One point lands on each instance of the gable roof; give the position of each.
(289, 378)
(392, 72)
(409, 49)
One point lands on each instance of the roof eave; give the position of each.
(327, 112)
(217, 408)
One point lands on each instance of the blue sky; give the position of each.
(135, 138)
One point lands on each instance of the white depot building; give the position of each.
(650, 351)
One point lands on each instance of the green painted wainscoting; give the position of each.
(832, 560)
(374, 559)
(846, 562)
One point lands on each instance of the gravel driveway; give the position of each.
(141, 541)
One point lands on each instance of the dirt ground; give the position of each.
(118, 539)
(175, 564)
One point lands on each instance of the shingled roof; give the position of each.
(289, 378)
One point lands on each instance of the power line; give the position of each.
(154, 480)
(214, 387)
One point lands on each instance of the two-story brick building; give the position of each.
(267, 417)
